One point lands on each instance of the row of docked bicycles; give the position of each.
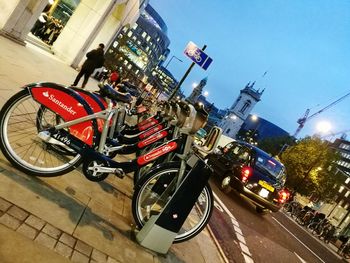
(47, 129)
(317, 224)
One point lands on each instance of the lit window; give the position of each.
(346, 206)
(144, 34)
(341, 188)
(129, 66)
(347, 194)
(134, 26)
(129, 34)
(347, 180)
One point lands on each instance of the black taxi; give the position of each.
(252, 172)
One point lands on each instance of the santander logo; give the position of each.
(59, 103)
(142, 160)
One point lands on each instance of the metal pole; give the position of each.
(183, 78)
(167, 64)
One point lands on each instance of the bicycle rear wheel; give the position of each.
(155, 189)
(19, 140)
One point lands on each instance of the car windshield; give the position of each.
(270, 165)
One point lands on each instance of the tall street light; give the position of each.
(171, 60)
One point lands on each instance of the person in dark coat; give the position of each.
(95, 59)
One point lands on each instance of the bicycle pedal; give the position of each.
(119, 173)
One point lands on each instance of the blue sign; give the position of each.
(197, 55)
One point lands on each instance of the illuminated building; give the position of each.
(86, 23)
(137, 50)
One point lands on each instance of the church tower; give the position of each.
(240, 110)
(197, 91)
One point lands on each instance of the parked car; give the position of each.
(252, 172)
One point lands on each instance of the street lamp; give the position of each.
(171, 60)
(324, 127)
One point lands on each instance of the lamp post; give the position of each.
(167, 64)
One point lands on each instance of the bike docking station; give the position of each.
(160, 230)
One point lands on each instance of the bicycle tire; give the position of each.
(201, 211)
(20, 144)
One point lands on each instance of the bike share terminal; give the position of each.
(160, 230)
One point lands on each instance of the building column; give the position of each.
(18, 18)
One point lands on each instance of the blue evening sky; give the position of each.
(303, 44)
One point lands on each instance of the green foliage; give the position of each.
(310, 168)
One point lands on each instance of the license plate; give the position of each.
(266, 186)
(264, 193)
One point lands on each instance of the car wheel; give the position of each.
(225, 185)
(261, 210)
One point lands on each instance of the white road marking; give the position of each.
(240, 238)
(245, 250)
(218, 206)
(238, 230)
(300, 258)
(247, 259)
(235, 222)
(297, 239)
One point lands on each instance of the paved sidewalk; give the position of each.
(68, 218)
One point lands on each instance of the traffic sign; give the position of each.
(197, 55)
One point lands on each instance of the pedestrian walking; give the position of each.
(95, 59)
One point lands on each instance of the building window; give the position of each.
(344, 146)
(228, 130)
(346, 206)
(341, 188)
(129, 34)
(347, 180)
(245, 106)
(347, 194)
(144, 34)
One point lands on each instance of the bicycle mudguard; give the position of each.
(69, 105)
(154, 154)
(148, 125)
(150, 131)
(102, 99)
(94, 102)
(146, 121)
(153, 138)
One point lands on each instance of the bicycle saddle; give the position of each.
(107, 91)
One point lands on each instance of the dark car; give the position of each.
(252, 172)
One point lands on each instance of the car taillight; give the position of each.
(283, 196)
(246, 172)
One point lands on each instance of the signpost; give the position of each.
(198, 57)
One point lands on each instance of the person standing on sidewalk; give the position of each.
(95, 59)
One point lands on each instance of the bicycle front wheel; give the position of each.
(156, 188)
(19, 140)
